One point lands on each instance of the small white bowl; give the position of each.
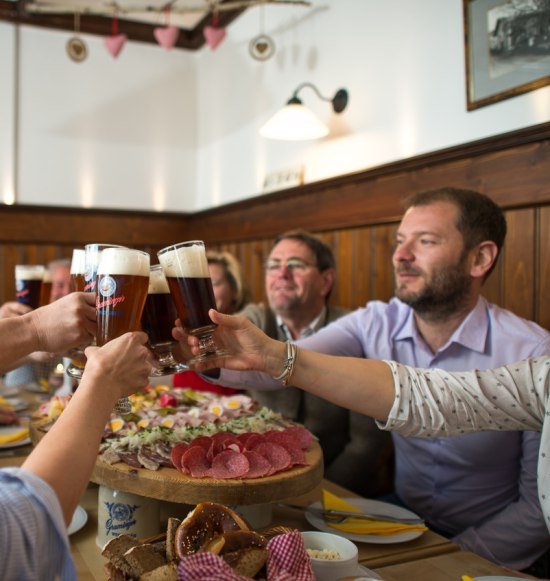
(324, 569)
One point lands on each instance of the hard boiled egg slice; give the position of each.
(168, 422)
(117, 424)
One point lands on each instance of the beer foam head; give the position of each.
(157, 282)
(185, 262)
(78, 263)
(123, 261)
(47, 276)
(29, 272)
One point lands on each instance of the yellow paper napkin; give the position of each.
(358, 526)
(15, 436)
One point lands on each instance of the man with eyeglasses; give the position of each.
(299, 276)
(478, 489)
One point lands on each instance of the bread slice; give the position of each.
(247, 562)
(115, 549)
(172, 527)
(166, 572)
(144, 558)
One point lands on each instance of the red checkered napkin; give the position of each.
(287, 561)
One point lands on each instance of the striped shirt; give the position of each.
(33, 536)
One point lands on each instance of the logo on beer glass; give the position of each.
(19, 285)
(107, 286)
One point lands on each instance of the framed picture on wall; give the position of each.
(507, 46)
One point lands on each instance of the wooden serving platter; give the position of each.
(169, 484)
(173, 486)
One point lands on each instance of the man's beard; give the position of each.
(446, 294)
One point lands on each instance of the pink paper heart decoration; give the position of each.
(213, 36)
(167, 37)
(114, 44)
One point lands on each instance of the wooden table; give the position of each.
(449, 567)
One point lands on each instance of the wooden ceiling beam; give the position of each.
(101, 26)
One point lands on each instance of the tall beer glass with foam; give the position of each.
(158, 319)
(28, 283)
(122, 284)
(186, 269)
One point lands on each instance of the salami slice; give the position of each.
(250, 439)
(259, 466)
(229, 464)
(302, 435)
(177, 452)
(203, 442)
(275, 454)
(195, 462)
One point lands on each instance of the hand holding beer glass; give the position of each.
(186, 269)
(158, 319)
(122, 285)
(84, 272)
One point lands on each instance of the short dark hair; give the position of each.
(324, 258)
(479, 217)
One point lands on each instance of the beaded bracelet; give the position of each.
(288, 363)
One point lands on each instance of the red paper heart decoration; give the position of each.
(167, 37)
(213, 36)
(114, 44)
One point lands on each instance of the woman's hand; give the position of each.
(249, 348)
(122, 366)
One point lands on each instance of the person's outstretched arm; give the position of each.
(55, 328)
(66, 455)
(323, 375)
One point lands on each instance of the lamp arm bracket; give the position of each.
(339, 101)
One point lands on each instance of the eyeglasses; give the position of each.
(293, 264)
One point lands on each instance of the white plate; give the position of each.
(17, 404)
(80, 517)
(367, 505)
(498, 578)
(9, 391)
(11, 430)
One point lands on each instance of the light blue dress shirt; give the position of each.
(33, 538)
(479, 487)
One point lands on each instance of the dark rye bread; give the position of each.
(172, 527)
(143, 558)
(114, 551)
(166, 572)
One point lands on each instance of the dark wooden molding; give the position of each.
(76, 226)
(497, 166)
(101, 26)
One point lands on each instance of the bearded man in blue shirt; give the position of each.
(479, 489)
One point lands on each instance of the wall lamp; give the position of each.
(295, 122)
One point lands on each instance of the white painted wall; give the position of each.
(179, 131)
(402, 62)
(7, 113)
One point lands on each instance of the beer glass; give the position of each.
(186, 269)
(78, 269)
(84, 272)
(28, 282)
(158, 319)
(122, 285)
(75, 369)
(46, 288)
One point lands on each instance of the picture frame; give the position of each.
(507, 49)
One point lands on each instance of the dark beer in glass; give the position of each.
(28, 284)
(186, 269)
(158, 320)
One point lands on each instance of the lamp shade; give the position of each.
(294, 122)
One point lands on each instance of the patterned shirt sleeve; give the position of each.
(33, 537)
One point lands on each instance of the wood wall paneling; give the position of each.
(357, 214)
